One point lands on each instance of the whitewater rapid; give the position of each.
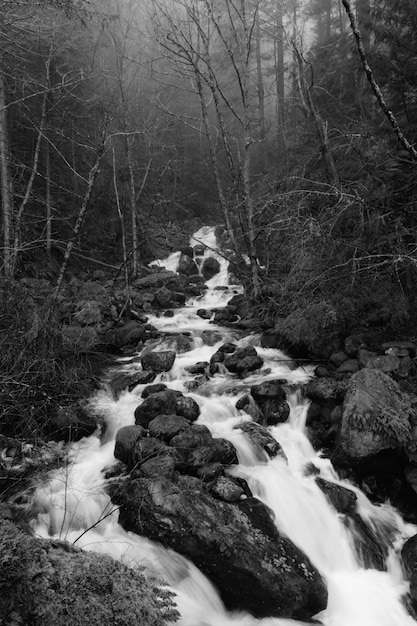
(72, 504)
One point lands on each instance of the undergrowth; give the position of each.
(37, 374)
(46, 583)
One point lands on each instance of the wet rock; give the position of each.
(166, 427)
(364, 357)
(126, 439)
(196, 436)
(399, 348)
(216, 358)
(198, 368)
(228, 348)
(199, 250)
(406, 367)
(148, 448)
(150, 389)
(163, 297)
(227, 489)
(326, 389)
(187, 265)
(204, 314)
(343, 499)
(153, 281)
(337, 358)
(237, 546)
(188, 251)
(409, 559)
(131, 333)
(210, 471)
(243, 360)
(271, 399)
(354, 343)
(158, 361)
(348, 367)
(210, 267)
(160, 403)
(91, 290)
(386, 363)
(223, 451)
(263, 439)
(376, 416)
(188, 408)
(158, 467)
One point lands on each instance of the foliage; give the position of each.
(36, 373)
(53, 584)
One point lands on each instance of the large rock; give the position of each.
(243, 360)
(160, 403)
(154, 281)
(236, 545)
(94, 291)
(187, 265)
(71, 422)
(376, 416)
(158, 361)
(262, 439)
(126, 439)
(409, 558)
(131, 333)
(271, 399)
(210, 267)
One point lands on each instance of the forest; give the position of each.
(124, 124)
(289, 126)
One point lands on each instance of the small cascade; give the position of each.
(72, 503)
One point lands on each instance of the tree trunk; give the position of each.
(279, 77)
(92, 176)
(330, 172)
(48, 200)
(374, 85)
(6, 193)
(122, 226)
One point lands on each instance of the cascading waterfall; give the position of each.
(73, 504)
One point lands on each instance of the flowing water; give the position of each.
(73, 505)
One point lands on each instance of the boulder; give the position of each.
(126, 439)
(161, 466)
(187, 265)
(343, 499)
(150, 389)
(163, 297)
(376, 416)
(130, 333)
(153, 281)
(92, 290)
(399, 348)
(409, 559)
(262, 439)
(387, 363)
(271, 399)
(187, 407)
(227, 489)
(166, 427)
(197, 368)
(243, 360)
(350, 366)
(204, 314)
(210, 267)
(236, 545)
(160, 403)
(158, 361)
